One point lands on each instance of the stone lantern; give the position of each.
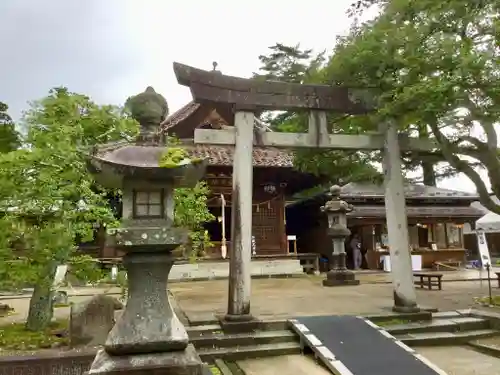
(336, 210)
(148, 337)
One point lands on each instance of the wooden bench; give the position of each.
(498, 278)
(428, 280)
(448, 265)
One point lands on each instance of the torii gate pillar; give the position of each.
(240, 253)
(405, 299)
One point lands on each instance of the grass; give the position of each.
(486, 301)
(215, 370)
(58, 305)
(393, 322)
(15, 337)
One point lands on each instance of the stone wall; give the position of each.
(220, 270)
(51, 363)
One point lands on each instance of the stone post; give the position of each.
(336, 210)
(405, 299)
(240, 255)
(148, 336)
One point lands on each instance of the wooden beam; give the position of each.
(373, 141)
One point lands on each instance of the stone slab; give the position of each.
(218, 270)
(290, 364)
(186, 362)
(460, 360)
(446, 314)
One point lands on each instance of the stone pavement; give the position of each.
(287, 364)
(368, 276)
(460, 360)
(284, 298)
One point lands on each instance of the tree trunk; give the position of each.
(429, 174)
(41, 307)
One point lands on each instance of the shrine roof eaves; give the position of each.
(412, 191)
(179, 115)
(222, 155)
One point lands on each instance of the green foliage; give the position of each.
(292, 64)
(191, 212)
(435, 65)
(10, 139)
(191, 209)
(48, 199)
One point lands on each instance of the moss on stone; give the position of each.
(215, 370)
(173, 157)
(16, 337)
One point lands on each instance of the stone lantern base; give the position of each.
(186, 362)
(340, 275)
(340, 278)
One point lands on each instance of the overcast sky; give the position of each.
(111, 49)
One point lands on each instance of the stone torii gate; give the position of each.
(245, 97)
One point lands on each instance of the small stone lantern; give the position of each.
(148, 337)
(336, 210)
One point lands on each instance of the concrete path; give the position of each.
(290, 364)
(460, 360)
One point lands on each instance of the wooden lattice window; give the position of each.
(148, 204)
(266, 224)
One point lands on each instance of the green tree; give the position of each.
(191, 212)
(48, 199)
(9, 137)
(436, 66)
(296, 65)
(50, 202)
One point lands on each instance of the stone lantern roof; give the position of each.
(142, 159)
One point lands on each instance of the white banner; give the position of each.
(482, 246)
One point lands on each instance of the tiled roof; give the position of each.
(411, 191)
(221, 155)
(179, 115)
(414, 211)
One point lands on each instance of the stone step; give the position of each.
(440, 325)
(197, 331)
(220, 340)
(249, 351)
(490, 350)
(445, 338)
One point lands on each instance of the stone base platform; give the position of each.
(210, 270)
(185, 362)
(340, 278)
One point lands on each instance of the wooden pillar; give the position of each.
(405, 299)
(241, 221)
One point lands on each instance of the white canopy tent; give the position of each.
(489, 223)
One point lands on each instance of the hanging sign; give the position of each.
(254, 246)
(482, 245)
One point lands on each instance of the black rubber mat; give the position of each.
(362, 348)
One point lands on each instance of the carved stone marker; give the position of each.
(336, 210)
(91, 321)
(148, 338)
